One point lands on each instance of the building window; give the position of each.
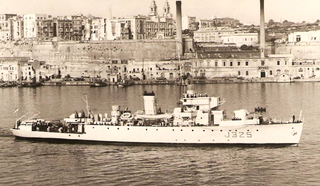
(239, 63)
(231, 64)
(216, 63)
(247, 73)
(298, 38)
(224, 63)
(247, 63)
(278, 62)
(270, 72)
(239, 73)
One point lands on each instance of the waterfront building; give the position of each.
(6, 30)
(274, 66)
(151, 70)
(306, 68)
(33, 24)
(9, 68)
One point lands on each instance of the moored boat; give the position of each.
(125, 83)
(30, 84)
(198, 121)
(98, 84)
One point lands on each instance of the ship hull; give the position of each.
(286, 134)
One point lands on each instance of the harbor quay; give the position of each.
(274, 68)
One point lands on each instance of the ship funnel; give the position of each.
(149, 103)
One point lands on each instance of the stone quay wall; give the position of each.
(60, 52)
(300, 50)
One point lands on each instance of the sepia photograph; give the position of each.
(159, 92)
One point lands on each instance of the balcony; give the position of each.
(263, 67)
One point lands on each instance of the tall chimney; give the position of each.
(179, 28)
(262, 30)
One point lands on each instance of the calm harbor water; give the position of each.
(38, 163)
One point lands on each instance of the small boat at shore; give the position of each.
(198, 121)
(125, 83)
(98, 83)
(8, 84)
(30, 84)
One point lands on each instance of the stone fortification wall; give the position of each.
(61, 52)
(300, 50)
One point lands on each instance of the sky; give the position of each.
(247, 11)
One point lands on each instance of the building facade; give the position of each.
(6, 27)
(311, 36)
(273, 67)
(239, 39)
(33, 24)
(10, 68)
(189, 23)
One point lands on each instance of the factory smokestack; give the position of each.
(262, 30)
(179, 28)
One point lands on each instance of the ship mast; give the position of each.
(87, 105)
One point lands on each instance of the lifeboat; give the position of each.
(126, 116)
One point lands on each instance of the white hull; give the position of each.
(245, 134)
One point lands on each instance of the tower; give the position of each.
(153, 8)
(166, 10)
(262, 30)
(179, 28)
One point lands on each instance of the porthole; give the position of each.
(212, 130)
(257, 130)
(128, 128)
(172, 129)
(204, 130)
(117, 128)
(181, 130)
(146, 129)
(220, 130)
(192, 130)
